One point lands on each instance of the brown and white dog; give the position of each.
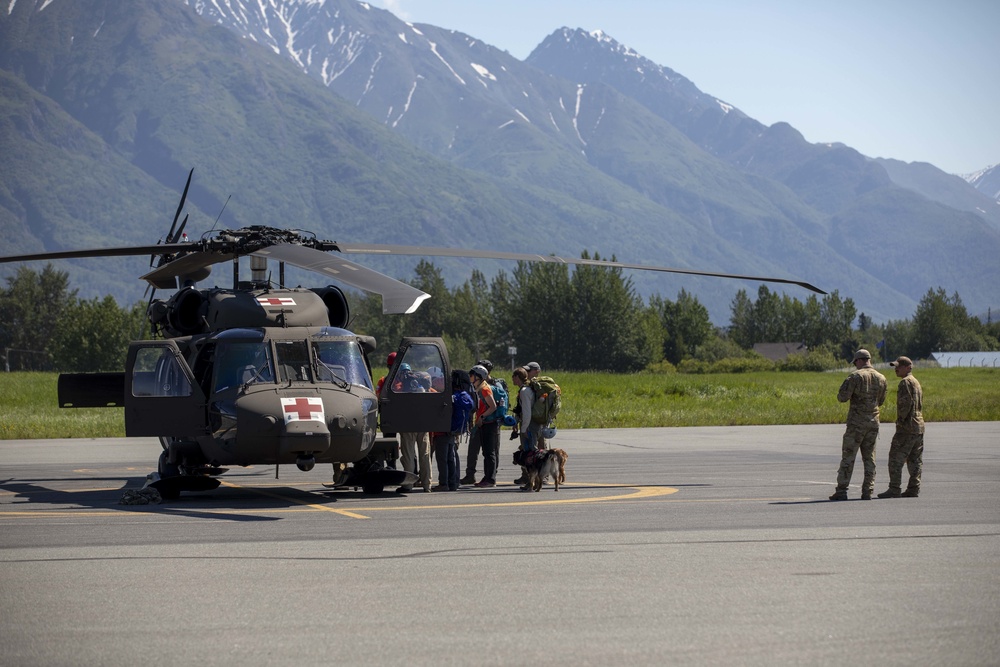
(541, 463)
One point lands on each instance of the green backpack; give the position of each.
(548, 399)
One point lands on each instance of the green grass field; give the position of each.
(28, 407)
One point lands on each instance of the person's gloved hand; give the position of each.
(514, 434)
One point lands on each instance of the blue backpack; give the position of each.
(499, 388)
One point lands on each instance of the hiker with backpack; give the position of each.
(446, 444)
(485, 434)
(548, 401)
(525, 429)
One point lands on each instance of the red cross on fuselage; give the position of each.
(303, 408)
(270, 301)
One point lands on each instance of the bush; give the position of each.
(692, 366)
(748, 364)
(815, 360)
(663, 367)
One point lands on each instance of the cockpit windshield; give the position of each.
(340, 361)
(241, 363)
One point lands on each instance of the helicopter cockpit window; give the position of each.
(240, 363)
(420, 371)
(293, 360)
(340, 361)
(156, 372)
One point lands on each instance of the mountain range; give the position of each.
(339, 118)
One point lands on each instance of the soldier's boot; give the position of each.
(839, 495)
(910, 493)
(890, 493)
(866, 494)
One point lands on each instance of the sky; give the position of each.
(913, 80)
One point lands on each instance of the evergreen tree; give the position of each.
(31, 309)
(94, 335)
(686, 325)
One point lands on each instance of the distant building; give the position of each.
(779, 351)
(967, 359)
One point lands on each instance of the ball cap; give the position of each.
(901, 361)
(533, 366)
(862, 354)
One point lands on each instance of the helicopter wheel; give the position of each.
(165, 467)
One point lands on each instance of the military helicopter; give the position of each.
(264, 374)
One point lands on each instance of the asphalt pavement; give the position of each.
(666, 546)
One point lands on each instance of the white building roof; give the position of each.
(958, 359)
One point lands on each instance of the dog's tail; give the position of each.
(562, 456)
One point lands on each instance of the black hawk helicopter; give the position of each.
(264, 374)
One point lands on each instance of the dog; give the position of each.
(541, 463)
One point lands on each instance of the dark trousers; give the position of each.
(485, 438)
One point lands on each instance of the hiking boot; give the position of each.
(405, 489)
(866, 495)
(485, 484)
(468, 479)
(910, 493)
(523, 479)
(889, 493)
(439, 487)
(839, 495)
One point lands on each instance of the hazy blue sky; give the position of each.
(915, 80)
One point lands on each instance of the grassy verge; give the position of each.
(28, 407)
(600, 400)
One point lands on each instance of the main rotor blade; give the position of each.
(397, 296)
(161, 249)
(378, 249)
(164, 276)
(170, 235)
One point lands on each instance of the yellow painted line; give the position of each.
(59, 513)
(278, 496)
(641, 492)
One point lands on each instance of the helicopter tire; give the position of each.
(165, 467)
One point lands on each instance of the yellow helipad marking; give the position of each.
(641, 492)
(323, 508)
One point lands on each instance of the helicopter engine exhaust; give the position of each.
(305, 462)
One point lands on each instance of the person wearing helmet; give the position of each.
(485, 435)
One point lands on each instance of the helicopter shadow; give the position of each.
(34, 492)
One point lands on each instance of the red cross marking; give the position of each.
(274, 301)
(303, 408)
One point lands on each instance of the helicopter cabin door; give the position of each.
(416, 395)
(161, 395)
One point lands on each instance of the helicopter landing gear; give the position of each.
(165, 467)
(170, 479)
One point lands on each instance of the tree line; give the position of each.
(590, 318)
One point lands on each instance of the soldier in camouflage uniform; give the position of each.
(908, 442)
(865, 389)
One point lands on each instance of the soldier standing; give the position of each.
(865, 389)
(907, 446)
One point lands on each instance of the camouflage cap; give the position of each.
(901, 361)
(862, 354)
